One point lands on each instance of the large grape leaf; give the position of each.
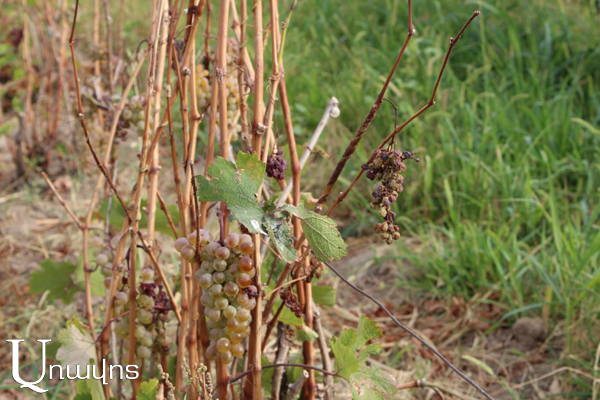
(78, 349)
(324, 295)
(321, 233)
(55, 278)
(148, 390)
(370, 383)
(237, 187)
(367, 329)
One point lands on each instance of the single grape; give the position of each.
(107, 282)
(237, 350)
(211, 248)
(216, 291)
(246, 247)
(245, 238)
(243, 326)
(222, 253)
(221, 303)
(246, 333)
(252, 273)
(223, 345)
(206, 267)
(219, 277)
(242, 315)
(144, 316)
(212, 353)
(214, 314)
(118, 310)
(226, 357)
(213, 324)
(140, 331)
(243, 280)
(147, 342)
(205, 237)
(180, 243)
(205, 280)
(246, 263)
(102, 259)
(120, 298)
(220, 265)
(232, 240)
(207, 301)
(234, 270)
(236, 338)
(122, 328)
(249, 305)
(145, 301)
(233, 324)
(229, 312)
(214, 334)
(231, 289)
(188, 252)
(147, 274)
(242, 298)
(97, 242)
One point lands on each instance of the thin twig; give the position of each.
(242, 374)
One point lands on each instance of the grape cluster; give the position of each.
(132, 117)
(204, 89)
(386, 166)
(103, 256)
(291, 301)
(316, 269)
(225, 275)
(152, 306)
(276, 165)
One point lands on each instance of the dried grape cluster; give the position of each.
(225, 275)
(386, 166)
(204, 90)
(291, 301)
(152, 306)
(276, 165)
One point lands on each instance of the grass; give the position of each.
(506, 198)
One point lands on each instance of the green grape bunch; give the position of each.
(225, 275)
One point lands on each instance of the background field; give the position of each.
(501, 214)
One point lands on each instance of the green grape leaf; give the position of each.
(266, 375)
(346, 362)
(367, 329)
(370, 383)
(293, 373)
(348, 338)
(324, 295)
(236, 186)
(305, 334)
(321, 233)
(148, 390)
(279, 232)
(55, 278)
(79, 349)
(371, 350)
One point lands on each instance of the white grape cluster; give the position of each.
(103, 256)
(225, 275)
(204, 90)
(134, 113)
(150, 315)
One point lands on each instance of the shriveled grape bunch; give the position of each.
(204, 90)
(225, 275)
(276, 164)
(152, 306)
(386, 166)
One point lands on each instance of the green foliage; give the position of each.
(237, 186)
(347, 362)
(371, 383)
(321, 233)
(305, 334)
(78, 349)
(324, 295)
(55, 278)
(148, 390)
